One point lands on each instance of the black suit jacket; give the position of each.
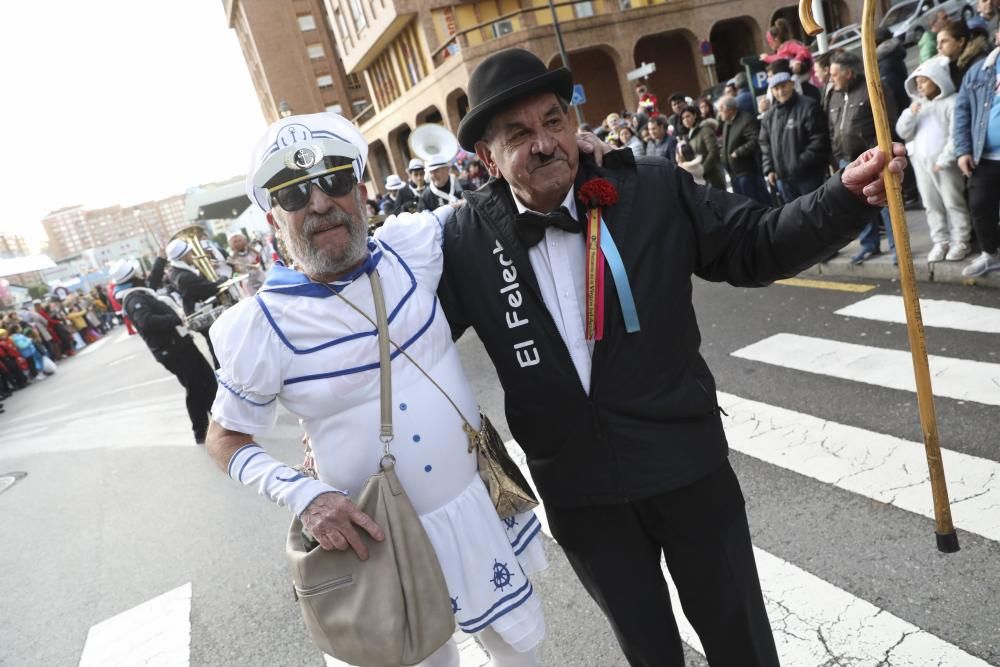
(650, 422)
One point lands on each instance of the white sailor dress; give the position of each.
(298, 344)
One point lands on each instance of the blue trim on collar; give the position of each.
(372, 366)
(284, 280)
(344, 339)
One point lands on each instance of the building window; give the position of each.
(358, 14)
(325, 81)
(316, 51)
(307, 22)
(353, 81)
(335, 108)
(501, 28)
(625, 4)
(584, 9)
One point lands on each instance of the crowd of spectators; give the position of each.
(816, 117)
(37, 334)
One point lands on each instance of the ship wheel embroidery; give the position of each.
(501, 576)
(454, 605)
(510, 521)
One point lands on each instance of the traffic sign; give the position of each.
(578, 95)
(706, 47)
(708, 60)
(642, 71)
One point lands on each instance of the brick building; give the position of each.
(289, 49)
(414, 57)
(73, 230)
(13, 245)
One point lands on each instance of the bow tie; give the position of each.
(530, 227)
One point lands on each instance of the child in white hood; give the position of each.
(926, 128)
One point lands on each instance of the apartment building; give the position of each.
(293, 61)
(415, 56)
(13, 245)
(73, 230)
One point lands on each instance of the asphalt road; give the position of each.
(119, 506)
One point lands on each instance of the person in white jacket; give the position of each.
(926, 128)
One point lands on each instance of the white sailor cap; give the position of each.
(416, 164)
(299, 147)
(177, 249)
(122, 271)
(393, 182)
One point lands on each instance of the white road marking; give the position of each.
(93, 346)
(92, 400)
(122, 360)
(961, 379)
(877, 466)
(934, 313)
(816, 624)
(157, 632)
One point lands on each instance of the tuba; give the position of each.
(432, 142)
(194, 235)
(226, 296)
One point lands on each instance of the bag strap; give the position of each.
(384, 361)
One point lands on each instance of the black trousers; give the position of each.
(185, 361)
(702, 532)
(984, 203)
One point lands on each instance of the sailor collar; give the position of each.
(283, 280)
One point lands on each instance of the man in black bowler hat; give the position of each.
(623, 434)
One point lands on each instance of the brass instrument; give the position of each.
(209, 310)
(194, 235)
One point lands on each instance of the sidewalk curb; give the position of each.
(881, 268)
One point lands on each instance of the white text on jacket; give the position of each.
(525, 351)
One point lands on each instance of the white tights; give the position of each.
(501, 653)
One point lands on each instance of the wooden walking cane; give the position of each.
(947, 538)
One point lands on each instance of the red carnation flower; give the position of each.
(597, 193)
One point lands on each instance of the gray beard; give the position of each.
(314, 262)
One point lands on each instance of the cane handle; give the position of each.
(807, 19)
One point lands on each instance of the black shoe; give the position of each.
(199, 437)
(865, 255)
(913, 205)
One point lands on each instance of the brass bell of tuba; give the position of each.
(433, 143)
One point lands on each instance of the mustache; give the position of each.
(319, 223)
(542, 159)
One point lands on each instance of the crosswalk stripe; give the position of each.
(934, 313)
(156, 632)
(825, 284)
(816, 623)
(878, 466)
(961, 379)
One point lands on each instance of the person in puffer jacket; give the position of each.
(926, 127)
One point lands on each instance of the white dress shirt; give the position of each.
(559, 262)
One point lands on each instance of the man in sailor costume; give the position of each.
(299, 343)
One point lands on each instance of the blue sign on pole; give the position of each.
(578, 95)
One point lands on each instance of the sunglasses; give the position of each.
(294, 195)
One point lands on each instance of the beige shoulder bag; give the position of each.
(392, 609)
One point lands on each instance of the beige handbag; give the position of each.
(394, 608)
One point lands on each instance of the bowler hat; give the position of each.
(504, 78)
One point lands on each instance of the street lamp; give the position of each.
(284, 110)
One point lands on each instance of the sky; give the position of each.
(118, 102)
